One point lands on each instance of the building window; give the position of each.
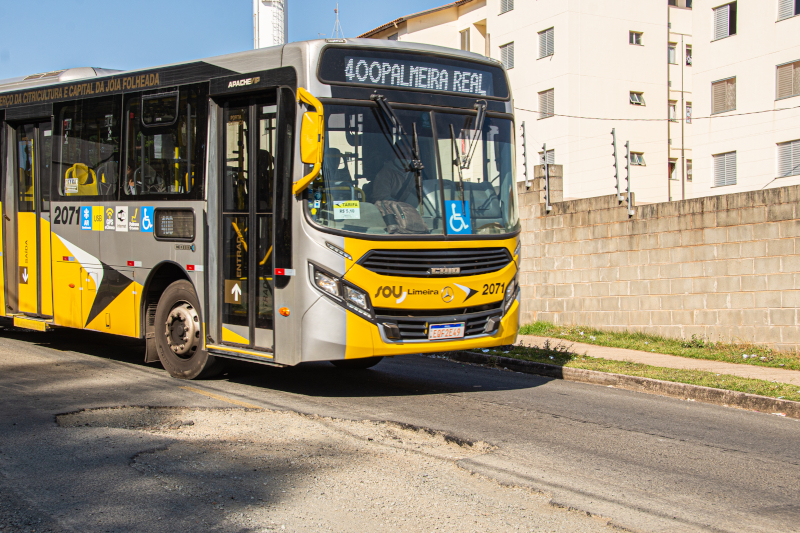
(672, 54)
(723, 96)
(673, 169)
(507, 55)
(788, 80)
(788, 8)
(725, 169)
(465, 39)
(688, 170)
(637, 158)
(673, 110)
(392, 37)
(635, 37)
(506, 6)
(688, 112)
(551, 157)
(789, 159)
(546, 42)
(546, 104)
(637, 98)
(725, 21)
(689, 54)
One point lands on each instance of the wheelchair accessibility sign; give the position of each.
(457, 220)
(147, 220)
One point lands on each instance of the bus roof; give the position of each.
(301, 55)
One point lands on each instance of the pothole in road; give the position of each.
(260, 470)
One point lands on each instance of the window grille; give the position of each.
(788, 8)
(723, 96)
(789, 159)
(725, 21)
(546, 104)
(546, 43)
(725, 169)
(788, 80)
(551, 157)
(507, 55)
(506, 6)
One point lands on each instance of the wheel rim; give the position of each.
(183, 330)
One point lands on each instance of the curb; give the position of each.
(682, 391)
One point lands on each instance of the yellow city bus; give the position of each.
(337, 200)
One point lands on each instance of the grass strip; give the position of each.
(694, 348)
(560, 355)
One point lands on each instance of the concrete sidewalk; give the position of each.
(668, 361)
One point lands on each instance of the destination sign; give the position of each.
(418, 75)
(417, 71)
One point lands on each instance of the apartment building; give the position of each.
(706, 92)
(579, 69)
(746, 75)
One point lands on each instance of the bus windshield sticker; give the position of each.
(346, 210)
(418, 75)
(457, 222)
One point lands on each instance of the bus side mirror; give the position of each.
(312, 138)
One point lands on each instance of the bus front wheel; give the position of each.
(179, 334)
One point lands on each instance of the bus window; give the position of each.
(165, 143)
(89, 141)
(25, 163)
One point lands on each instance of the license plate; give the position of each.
(446, 331)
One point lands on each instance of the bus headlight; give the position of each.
(342, 292)
(326, 283)
(356, 297)
(511, 292)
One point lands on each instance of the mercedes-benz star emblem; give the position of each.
(447, 295)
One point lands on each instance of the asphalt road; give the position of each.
(644, 462)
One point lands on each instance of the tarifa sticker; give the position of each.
(346, 210)
(71, 185)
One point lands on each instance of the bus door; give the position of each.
(246, 251)
(32, 146)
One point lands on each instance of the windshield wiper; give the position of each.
(383, 104)
(466, 160)
(457, 162)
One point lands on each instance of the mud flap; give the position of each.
(151, 348)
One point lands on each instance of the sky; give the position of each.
(44, 35)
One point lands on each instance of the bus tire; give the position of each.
(179, 334)
(357, 364)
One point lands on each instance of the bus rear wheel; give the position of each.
(357, 364)
(179, 334)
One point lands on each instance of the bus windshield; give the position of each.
(383, 178)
